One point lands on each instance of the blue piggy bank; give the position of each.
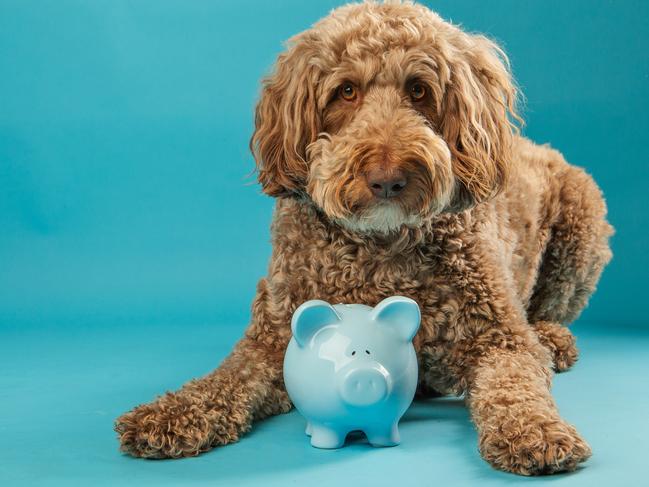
(352, 367)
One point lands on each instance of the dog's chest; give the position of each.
(313, 260)
(354, 274)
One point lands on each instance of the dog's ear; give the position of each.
(478, 121)
(286, 121)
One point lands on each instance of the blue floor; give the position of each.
(62, 387)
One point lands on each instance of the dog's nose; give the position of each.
(386, 185)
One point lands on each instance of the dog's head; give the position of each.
(385, 115)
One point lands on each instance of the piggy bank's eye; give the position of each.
(354, 352)
(367, 352)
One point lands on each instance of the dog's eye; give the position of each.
(348, 92)
(417, 91)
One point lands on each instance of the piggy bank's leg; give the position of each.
(214, 410)
(383, 436)
(309, 429)
(325, 437)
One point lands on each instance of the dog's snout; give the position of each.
(386, 185)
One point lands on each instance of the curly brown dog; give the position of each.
(389, 139)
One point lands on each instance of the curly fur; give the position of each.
(499, 240)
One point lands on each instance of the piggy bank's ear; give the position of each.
(311, 317)
(400, 314)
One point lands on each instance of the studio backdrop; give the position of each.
(126, 193)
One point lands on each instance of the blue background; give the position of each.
(132, 235)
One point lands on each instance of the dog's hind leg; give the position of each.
(572, 263)
(576, 253)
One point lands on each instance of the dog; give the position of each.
(390, 141)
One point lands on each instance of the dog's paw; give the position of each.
(540, 448)
(561, 343)
(171, 429)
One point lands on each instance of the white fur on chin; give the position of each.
(384, 218)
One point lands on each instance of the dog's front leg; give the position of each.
(214, 410)
(519, 427)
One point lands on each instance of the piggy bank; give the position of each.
(351, 367)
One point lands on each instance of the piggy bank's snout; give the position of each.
(364, 386)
